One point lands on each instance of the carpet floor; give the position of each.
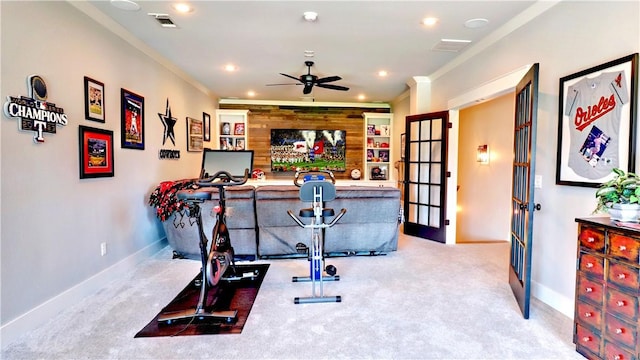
(424, 301)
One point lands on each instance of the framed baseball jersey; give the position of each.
(596, 127)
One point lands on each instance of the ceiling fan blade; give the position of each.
(281, 84)
(291, 77)
(328, 79)
(307, 89)
(333, 87)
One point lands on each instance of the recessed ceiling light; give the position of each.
(382, 73)
(230, 67)
(476, 23)
(182, 8)
(251, 93)
(361, 97)
(310, 16)
(125, 5)
(429, 21)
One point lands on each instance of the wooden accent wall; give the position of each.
(263, 118)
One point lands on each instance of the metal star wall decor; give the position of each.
(168, 122)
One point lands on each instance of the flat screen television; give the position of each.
(233, 162)
(294, 149)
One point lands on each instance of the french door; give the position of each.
(522, 200)
(425, 175)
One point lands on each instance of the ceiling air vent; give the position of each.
(451, 45)
(164, 20)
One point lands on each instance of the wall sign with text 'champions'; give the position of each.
(35, 113)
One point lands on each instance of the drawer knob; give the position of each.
(619, 331)
(589, 289)
(589, 265)
(586, 339)
(620, 303)
(588, 314)
(623, 248)
(591, 239)
(621, 276)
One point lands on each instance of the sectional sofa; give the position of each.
(260, 227)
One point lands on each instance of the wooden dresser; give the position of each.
(606, 320)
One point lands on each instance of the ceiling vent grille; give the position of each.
(164, 20)
(451, 45)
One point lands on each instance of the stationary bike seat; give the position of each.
(194, 194)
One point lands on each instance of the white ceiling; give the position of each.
(351, 39)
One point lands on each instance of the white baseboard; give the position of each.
(39, 315)
(554, 299)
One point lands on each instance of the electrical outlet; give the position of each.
(538, 182)
(103, 249)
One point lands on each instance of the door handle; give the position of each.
(525, 206)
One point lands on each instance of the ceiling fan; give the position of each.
(309, 80)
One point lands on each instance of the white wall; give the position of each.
(563, 40)
(52, 222)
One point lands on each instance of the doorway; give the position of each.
(484, 187)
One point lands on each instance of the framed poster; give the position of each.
(96, 152)
(132, 120)
(195, 133)
(206, 119)
(596, 126)
(238, 129)
(93, 100)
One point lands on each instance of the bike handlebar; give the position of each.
(223, 178)
(296, 179)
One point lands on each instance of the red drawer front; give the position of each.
(591, 265)
(624, 276)
(587, 339)
(624, 247)
(589, 289)
(615, 352)
(622, 304)
(621, 332)
(591, 238)
(588, 314)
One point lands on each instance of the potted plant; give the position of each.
(620, 197)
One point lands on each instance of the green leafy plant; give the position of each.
(164, 198)
(623, 188)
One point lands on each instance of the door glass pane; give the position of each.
(415, 130)
(435, 195)
(424, 173)
(425, 131)
(413, 172)
(425, 153)
(423, 215)
(413, 193)
(424, 194)
(434, 217)
(435, 173)
(413, 213)
(436, 148)
(414, 151)
(436, 130)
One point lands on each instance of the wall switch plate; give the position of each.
(538, 182)
(103, 249)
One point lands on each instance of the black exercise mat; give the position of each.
(233, 295)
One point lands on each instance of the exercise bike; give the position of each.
(316, 189)
(218, 262)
